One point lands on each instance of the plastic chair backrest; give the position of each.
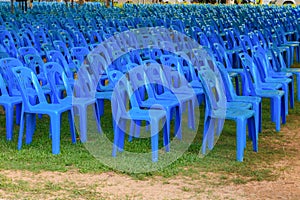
(246, 43)
(62, 47)
(157, 75)
(56, 76)
(66, 38)
(23, 51)
(252, 73)
(29, 86)
(122, 93)
(262, 61)
(203, 40)
(3, 89)
(56, 56)
(34, 62)
(229, 89)
(214, 90)
(6, 64)
(222, 55)
(79, 53)
(97, 63)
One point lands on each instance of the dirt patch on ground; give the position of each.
(75, 185)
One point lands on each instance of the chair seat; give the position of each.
(233, 113)
(269, 93)
(233, 104)
(104, 95)
(195, 84)
(179, 96)
(247, 99)
(278, 80)
(270, 85)
(10, 100)
(79, 101)
(139, 114)
(293, 43)
(282, 74)
(44, 108)
(292, 70)
(156, 103)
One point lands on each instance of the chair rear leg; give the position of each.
(240, 138)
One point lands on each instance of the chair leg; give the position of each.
(208, 134)
(283, 116)
(9, 113)
(72, 126)
(168, 130)
(273, 108)
(30, 127)
(298, 86)
(220, 126)
(21, 131)
(191, 114)
(212, 132)
(278, 106)
(253, 133)
(179, 133)
(98, 117)
(82, 123)
(18, 113)
(178, 120)
(240, 137)
(286, 97)
(291, 92)
(55, 127)
(122, 131)
(154, 139)
(116, 139)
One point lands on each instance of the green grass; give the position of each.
(221, 160)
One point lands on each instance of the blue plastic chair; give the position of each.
(56, 77)
(263, 64)
(163, 90)
(28, 83)
(233, 72)
(121, 95)
(180, 71)
(6, 64)
(9, 102)
(144, 94)
(98, 76)
(280, 66)
(233, 97)
(281, 38)
(216, 111)
(256, 88)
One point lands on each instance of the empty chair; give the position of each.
(121, 96)
(9, 102)
(144, 93)
(27, 81)
(216, 110)
(257, 89)
(58, 78)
